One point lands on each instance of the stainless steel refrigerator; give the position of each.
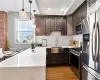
(90, 57)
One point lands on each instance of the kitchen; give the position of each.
(49, 40)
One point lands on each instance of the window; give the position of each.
(25, 33)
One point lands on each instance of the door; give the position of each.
(89, 74)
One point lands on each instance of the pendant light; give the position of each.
(34, 17)
(22, 13)
(30, 13)
(30, 9)
(34, 25)
(32, 20)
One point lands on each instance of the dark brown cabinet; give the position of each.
(91, 2)
(46, 24)
(40, 26)
(53, 23)
(64, 26)
(58, 23)
(79, 15)
(69, 25)
(58, 58)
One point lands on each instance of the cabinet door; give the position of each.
(53, 24)
(78, 16)
(48, 25)
(43, 26)
(69, 25)
(66, 55)
(83, 10)
(74, 23)
(64, 26)
(58, 23)
(38, 26)
(91, 2)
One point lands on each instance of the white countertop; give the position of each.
(63, 46)
(27, 58)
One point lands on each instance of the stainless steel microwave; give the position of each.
(79, 29)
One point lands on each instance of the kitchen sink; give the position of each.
(56, 49)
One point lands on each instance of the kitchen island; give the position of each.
(27, 65)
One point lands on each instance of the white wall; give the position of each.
(77, 37)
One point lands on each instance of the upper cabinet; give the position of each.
(59, 23)
(91, 2)
(40, 26)
(79, 15)
(53, 23)
(69, 25)
(46, 24)
(64, 26)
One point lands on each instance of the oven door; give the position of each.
(74, 60)
(88, 73)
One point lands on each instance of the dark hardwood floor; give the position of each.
(60, 73)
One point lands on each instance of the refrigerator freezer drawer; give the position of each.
(89, 74)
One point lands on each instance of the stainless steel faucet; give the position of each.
(56, 41)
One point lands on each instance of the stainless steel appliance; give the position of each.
(75, 60)
(79, 28)
(90, 57)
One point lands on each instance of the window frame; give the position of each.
(15, 31)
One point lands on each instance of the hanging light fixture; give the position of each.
(32, 20)
(30, 9)
(22, 13)
(30, 12)
(34, 25)
(34, 17)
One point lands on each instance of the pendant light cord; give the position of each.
(30, 11)
(23, 5)
(30, 8)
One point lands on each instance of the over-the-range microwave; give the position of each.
(79, 28)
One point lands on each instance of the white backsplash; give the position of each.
(77, 37)
(62, 40)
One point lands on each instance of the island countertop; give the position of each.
(27, 58)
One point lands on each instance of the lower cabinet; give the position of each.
(58, 58)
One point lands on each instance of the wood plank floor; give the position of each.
(60, 73)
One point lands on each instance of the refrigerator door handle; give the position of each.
(97, 42)
(92, 72)
(93, 42)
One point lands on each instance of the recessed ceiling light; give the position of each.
(49, 9)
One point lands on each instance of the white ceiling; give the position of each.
(56, 7)
(16, 5)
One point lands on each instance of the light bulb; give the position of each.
(22, 14)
